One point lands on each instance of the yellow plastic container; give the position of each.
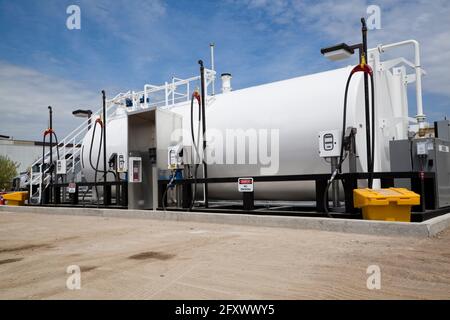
(393, 204)
(16, 198)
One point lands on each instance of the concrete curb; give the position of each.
(438, 224)
(424, 229)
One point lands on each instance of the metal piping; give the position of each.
(420, 117)
(211, 45)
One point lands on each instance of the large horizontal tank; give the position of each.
(292, 113)
(299, 109)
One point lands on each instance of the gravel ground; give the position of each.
(150, 259)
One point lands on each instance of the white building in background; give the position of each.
(21, 151)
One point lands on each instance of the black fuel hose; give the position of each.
(57, 144)
(57, 148)
(195, 147)
(95, 168)
(341, 154)
(344, 123)
(370, 162)
(43, 155)
(43, 163)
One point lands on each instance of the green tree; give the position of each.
(8, 170)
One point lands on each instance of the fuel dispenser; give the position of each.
(150, 134)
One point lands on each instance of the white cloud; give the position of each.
(135, 24)
(426, 21)
(25, 95)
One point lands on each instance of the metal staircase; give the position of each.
(178, 91)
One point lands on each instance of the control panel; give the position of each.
(330, 143)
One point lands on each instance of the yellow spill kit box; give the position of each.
(16, 198)
(393, 204)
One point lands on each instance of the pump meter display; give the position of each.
(330, 143)
(135, 170)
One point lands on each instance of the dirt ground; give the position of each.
(149, 259)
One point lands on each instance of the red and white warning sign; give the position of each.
(245, 184)
(72, 187)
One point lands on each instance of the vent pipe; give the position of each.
(226, 82)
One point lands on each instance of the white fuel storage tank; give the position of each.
(286, 118)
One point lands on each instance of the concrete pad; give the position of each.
(424, 229)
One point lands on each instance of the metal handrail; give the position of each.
(170, 98)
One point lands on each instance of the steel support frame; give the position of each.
(121, 201)
(422, 183)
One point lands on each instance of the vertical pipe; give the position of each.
(205, 169)
(145, 97)
(166, 92)
(173, 91)
(73, 158)
(187, 92)
(367, 103)
(104, 145)
(420, 115)
(211, 46)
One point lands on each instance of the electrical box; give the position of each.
(330, 143)
(135, 169)
(442, 129)
(422, 149)
(121, 163)
(61, 167)
(428, 155)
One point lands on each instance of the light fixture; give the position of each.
(83, 114)
(338, 52)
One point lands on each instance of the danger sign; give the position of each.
(245, 184)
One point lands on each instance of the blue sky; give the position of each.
(124, 44)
